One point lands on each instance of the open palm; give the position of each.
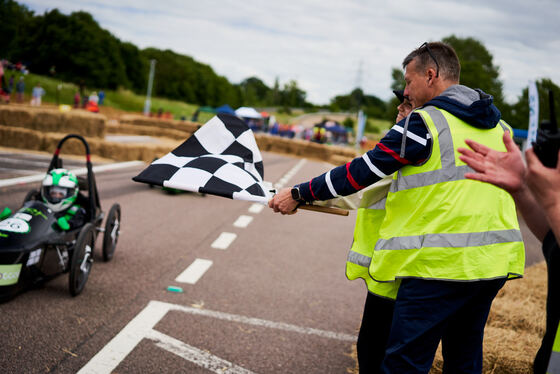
(503, 169)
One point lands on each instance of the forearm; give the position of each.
(532, 213)
(553, 216)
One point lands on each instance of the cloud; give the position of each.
(330, 46)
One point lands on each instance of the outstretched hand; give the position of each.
(543, 181)
(283, 203)
(503, 169)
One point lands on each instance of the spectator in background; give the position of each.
(20, 89)
(91, 105)
(37, 94)
(11, 84)
(94, 98)
(101, 97)
(77, 99)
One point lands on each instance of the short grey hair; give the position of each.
(447, 60)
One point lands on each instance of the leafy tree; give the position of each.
(477, 67)
(15, 19)
(255, 91)
(520, 110)
(292, 95)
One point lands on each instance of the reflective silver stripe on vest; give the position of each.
(380, 205)
(358, 259)
(554, 363)
(448, 171)
(428, 178)
(472, 239)
(501, 122)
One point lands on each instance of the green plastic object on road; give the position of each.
(174, 289)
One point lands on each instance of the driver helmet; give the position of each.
(59, 189)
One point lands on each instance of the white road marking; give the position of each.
(194, 272)
(224, 240)
(289, 174)
(195, 355)
(243, 221)
(141, 326)
(108, 358)
(81, 171)
(256, 208)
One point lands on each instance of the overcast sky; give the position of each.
(329, 46)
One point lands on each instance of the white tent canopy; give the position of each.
(247, 112)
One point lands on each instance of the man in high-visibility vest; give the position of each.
(450, 241)
(536, 194)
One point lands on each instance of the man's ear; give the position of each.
(430, 75)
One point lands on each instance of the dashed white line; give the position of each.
(243, 221)
(224, 240)
(256, 208)
(286, 177)
(194, 272)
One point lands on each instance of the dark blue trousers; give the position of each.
(427, 311)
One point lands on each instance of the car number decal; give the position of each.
(14, 225)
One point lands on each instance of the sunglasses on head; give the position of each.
(431, 55)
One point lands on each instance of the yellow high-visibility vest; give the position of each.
(370, 214)
(440, 225)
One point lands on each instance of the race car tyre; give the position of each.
(82, 259)
(31, 195)
(112, 231)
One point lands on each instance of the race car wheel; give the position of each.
(82, 259)
(112, 230)
(32, 195)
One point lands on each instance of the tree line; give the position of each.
(84, 53)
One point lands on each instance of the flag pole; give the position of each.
(324, 209)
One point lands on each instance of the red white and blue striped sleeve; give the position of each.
(373, 165)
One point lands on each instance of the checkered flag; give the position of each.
(221, 158)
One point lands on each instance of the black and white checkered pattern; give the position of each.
(221, 158)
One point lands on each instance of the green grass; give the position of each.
(61, 92)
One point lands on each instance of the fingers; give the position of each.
(477, 147)
(533, 161)
(478, 177)
(475, 161)
(509, 143)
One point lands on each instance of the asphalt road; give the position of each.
(276, 300)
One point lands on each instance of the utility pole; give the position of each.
(147, 103)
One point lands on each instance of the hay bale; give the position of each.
(84, 123)
(339, 159)
(16, 116)
(139, 120)
(147, 130)
(21, 138)
(47, 120)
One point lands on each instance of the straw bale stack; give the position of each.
(49, 120)
(138, 120)
(127, 129)
(21, 138)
